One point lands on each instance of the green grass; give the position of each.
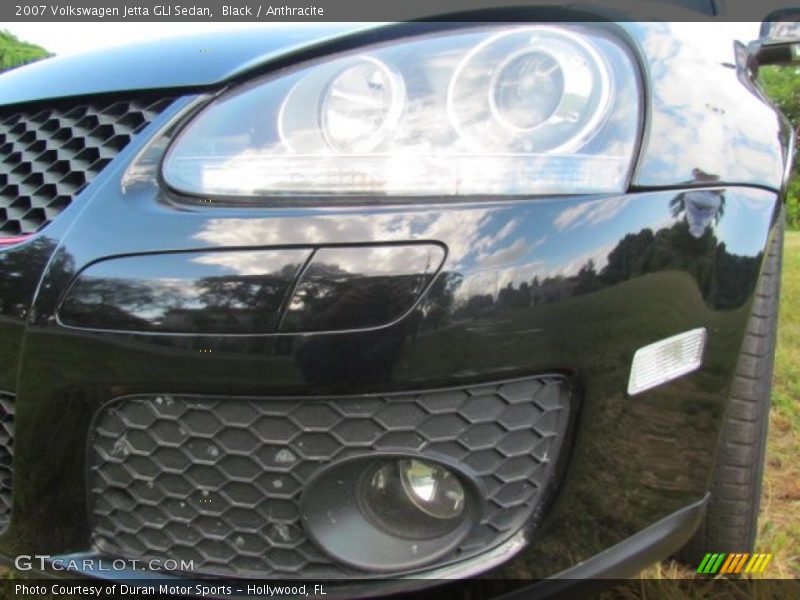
(779, 520)
(780, 516)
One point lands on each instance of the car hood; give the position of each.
(189, 61)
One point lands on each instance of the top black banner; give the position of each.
(406, 10)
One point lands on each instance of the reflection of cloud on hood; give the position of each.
(598, 256)
(382, 260)
(591, 213)
(509, 254)
(707, 121)
(463, 229)
(180, 287)
(520, 274)
(252, 262)
(491, 281)
(487, 241)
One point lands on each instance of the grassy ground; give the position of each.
(779, 522)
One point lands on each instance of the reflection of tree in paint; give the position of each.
(690, 245)
(20, 270)
(700, 208)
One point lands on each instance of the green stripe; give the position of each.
(710, 563)
(703, 564)
(718, 564)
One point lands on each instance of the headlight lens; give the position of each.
(498, 110)
(360, 106)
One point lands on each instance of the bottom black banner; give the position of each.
(473, 589)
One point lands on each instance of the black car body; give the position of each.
(179, 370)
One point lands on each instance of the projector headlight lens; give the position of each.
(497, 110)
(527, 90)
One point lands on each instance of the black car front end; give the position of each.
(373, 385)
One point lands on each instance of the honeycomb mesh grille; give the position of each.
(49, 154)
(218, 480)
(6, 457)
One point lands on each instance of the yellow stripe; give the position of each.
(740, 564)
(728, 561)
(764, 564)
(757, 564)
(753, 561)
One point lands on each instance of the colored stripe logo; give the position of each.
(723, 563)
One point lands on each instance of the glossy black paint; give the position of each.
(187, 292)
(570, 285)
(252, 291)
(195, 61)
(700, 97)
(540, 285)
(360, 287)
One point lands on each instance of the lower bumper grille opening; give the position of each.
(217, 480)
(6, 457)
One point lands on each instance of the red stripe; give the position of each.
(13, 240)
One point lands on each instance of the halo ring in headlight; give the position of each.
(350, 107)
(567, 124)
(370, 100)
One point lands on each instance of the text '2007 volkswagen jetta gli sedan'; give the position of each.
(421, 300)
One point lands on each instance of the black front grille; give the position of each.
(218, 480)
(6, 457)
(48, 154)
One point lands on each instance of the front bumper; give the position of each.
(622, 560)
(566, 285)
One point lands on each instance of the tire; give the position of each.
(731, 520)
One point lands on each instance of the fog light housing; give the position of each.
(412, 498)
(399, 512)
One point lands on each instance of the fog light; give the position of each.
(433, 489)
(413, 498)
(397, 511)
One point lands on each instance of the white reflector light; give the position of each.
(666, 360)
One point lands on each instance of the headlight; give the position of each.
(498, 110)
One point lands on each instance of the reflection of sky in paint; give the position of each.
(701, 116)
(742, 235)
(174, 269)
(515, 241)
(491, 245)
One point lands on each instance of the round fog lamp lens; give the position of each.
(432, 489)
(359, 106)
(416, 499)
(527, 90)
